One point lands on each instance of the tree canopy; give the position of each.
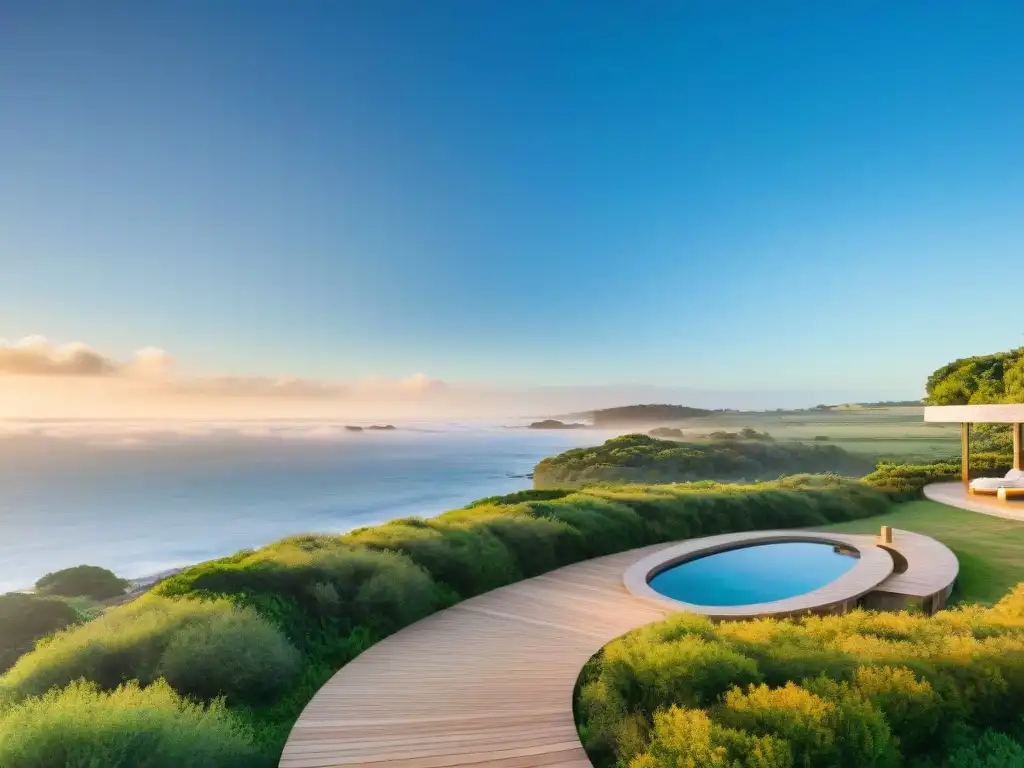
(26, 618)
(997, 378)
(645, 414)
(83, 581)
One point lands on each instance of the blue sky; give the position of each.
(771, 195)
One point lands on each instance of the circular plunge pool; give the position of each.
(759, 573)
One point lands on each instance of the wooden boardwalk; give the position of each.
(955, 495)
(487, 682)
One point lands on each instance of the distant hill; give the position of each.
(643, 414)
(878, 404)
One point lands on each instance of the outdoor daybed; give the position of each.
(991, 485)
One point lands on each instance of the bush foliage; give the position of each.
(863, 689)
(646, 459)
(83, 581)
(997, 378)
(130, 727)
(27, 618)
(203, 649)
(905, 481)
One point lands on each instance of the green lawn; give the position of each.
(878, 432)
(990, 549)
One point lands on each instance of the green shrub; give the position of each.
(997, 378)
(991, 750)
(237, 652)
(469, 561)
(294, 583)
(83, 581)
(806, 722)
(233, 654)
(861, 689)
(27, 618)
(688, 738)
(538, 544)
(130, 727)
(910, 705)
(905, 481)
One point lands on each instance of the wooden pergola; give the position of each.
(965, 415)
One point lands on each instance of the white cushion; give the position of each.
(995, 483)
(1015, 475)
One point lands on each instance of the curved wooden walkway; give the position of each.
(431, 696)
(489, 682)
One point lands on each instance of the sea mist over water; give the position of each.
(141, 497)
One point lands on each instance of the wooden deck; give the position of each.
(489, 682)
(931, 566)
(955, 495)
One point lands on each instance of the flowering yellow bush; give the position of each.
(863, 689)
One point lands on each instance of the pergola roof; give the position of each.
(1011, 413)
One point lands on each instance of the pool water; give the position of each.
(755, 574)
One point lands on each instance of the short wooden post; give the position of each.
(965, 454)
(1018, 462)
(886, 534)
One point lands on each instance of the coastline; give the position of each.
(156, 508)
(142, 584)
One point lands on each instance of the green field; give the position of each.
(990, 549)
(881, 432)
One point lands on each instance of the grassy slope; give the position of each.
(876, 431)
(990, 549)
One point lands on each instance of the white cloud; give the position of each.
(259, 386)
(41, 377)
(150, 362)
(43, 380)
(420, 382)
(38, 356)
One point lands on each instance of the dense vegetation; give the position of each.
(644, 414)
(203, 649)
(83, 581)
(82, 727)
(646, 459)
(27, 618)
(905, 481)
(555, 424)
(997, 378)
(265, 629)
(864, 689)
(747, 433)
(667, 432)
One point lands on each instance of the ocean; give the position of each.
(141, 500)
